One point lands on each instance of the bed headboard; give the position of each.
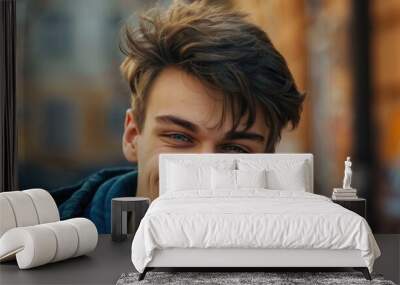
(164, 158)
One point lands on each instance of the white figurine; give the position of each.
(347, 174)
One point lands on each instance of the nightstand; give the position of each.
(126, 214)
(358, 206)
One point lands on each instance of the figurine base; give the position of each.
(344, 190)
(344, 194)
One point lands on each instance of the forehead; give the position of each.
(175, 92)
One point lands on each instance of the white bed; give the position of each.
(225, 226)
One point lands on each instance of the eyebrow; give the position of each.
(170, 119)
(233, 135)
(245, 135)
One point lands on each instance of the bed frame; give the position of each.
(260, 259)
(248, 259)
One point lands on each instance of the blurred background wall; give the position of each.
(343, 54)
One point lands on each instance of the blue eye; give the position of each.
(234, 149)
(179, 137)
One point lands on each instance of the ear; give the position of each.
(129, 138)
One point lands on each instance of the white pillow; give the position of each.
(251, 178)
(285, 174)
(181, 178)
(215, 163)
(187, 174)
(292, 179)
(223, 179)
(227, 179)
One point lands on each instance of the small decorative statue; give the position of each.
(347, 174)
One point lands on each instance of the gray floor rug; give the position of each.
(230, 278)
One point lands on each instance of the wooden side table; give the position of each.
(358, 206)
(126, 214)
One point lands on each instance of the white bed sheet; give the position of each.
(251, 218)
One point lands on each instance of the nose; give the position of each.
(207, 147)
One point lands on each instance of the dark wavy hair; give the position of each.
(224, 51)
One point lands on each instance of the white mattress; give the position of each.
(253, 218)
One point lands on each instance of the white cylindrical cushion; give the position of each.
(87, 235)
(23, 208)
(67, 239)
(40, 244)
(33, 246)
(7, 218)
(45, 205)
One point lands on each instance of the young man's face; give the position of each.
(182, 116)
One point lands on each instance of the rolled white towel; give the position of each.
(40, 244)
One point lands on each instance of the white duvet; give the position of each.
(253, 218)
